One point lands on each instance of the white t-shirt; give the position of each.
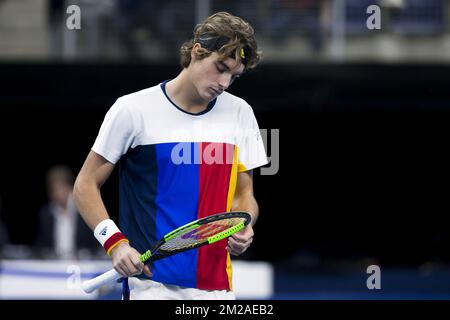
(150, 117)
(176, 167)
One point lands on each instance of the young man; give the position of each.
(185, 148)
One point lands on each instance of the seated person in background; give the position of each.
(62, 232)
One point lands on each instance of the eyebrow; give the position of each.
(237, 75)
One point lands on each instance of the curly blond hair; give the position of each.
(240, 40)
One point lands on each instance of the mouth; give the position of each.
(216, 92)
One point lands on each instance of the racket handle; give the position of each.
(105, 278)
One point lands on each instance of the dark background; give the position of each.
(364, 164)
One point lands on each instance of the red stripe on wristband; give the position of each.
(113, 240)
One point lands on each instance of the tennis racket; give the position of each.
(190, 236)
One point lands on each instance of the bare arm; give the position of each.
(244, 200)
(95, 171)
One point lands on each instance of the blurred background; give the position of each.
(363, 135)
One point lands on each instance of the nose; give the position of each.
(224, 81)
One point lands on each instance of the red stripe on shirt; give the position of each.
(215, 173)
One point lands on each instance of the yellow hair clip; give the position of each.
(242, 54)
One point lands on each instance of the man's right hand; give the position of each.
(126, 261)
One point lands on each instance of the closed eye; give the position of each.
(221, 70)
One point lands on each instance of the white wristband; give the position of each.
(104, 230)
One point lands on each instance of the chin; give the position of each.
(208, 96)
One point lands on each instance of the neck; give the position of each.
(181, 91)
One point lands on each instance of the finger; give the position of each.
(245, 242)
(239, 245)
(147, 271)
(237, 248)
(233, 244)
(244, 236)
(126, 269)
(138, 264)
(234, 252)
(238, 237)
(119, 268)
(131, 268)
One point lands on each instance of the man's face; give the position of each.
(59, 193)
(211, 77)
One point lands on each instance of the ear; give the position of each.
(194, 51)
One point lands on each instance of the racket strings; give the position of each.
(200, 234)
(210, 229)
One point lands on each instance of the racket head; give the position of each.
(198, 233)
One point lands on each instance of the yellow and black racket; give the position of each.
(190, 236)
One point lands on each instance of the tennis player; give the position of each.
(185, 150)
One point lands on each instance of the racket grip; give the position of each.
(105, 278)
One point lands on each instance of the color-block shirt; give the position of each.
(176, 167)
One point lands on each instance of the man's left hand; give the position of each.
(239, 242)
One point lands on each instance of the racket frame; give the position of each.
(155, 253)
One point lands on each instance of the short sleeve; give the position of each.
(251, 151)
(116, 133)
